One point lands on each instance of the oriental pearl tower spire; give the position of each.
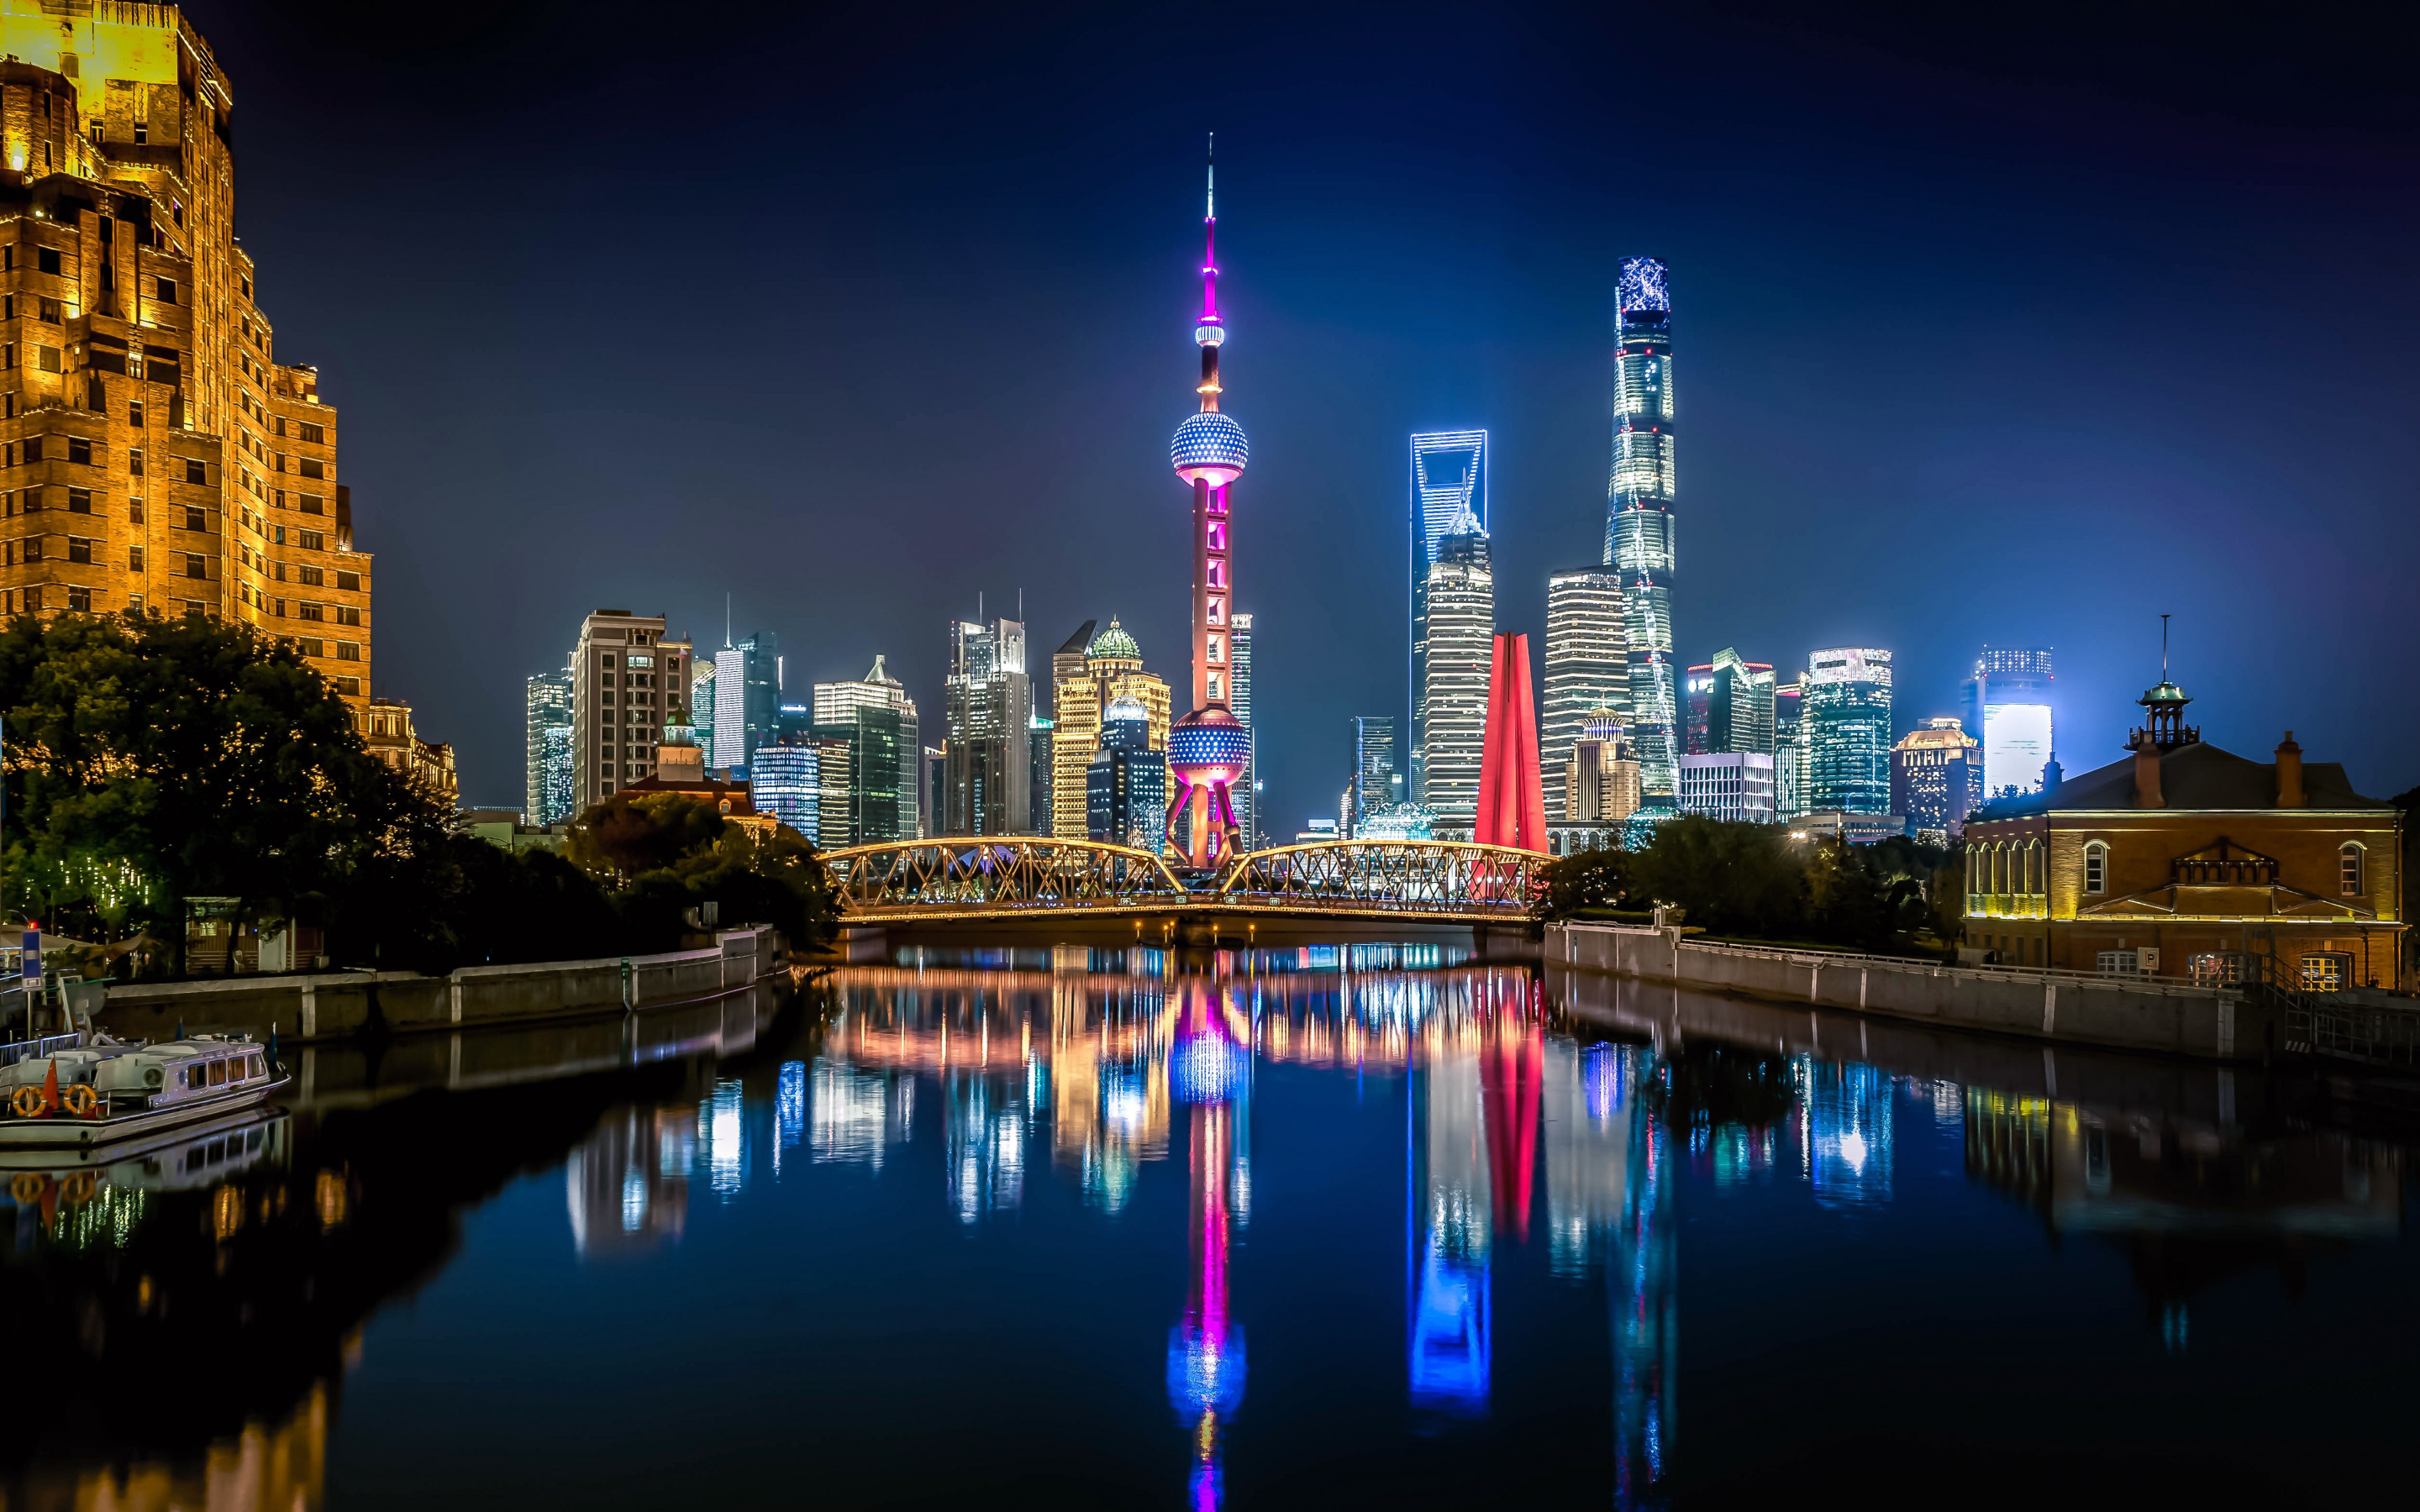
(1209, 748)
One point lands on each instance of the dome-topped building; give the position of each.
(1113, 646)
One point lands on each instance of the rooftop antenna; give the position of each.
(727, 621)
(2163, 648)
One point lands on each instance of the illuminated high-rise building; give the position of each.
(546, 798)
(2008, 708)
(836, 704)
(1730, 706)
(1601, 776)
(1372, 788)
(1790, 747)
(990, 702)
(1248, 805)
(1449, 480)
(1638, 543)
(1126, 784)
(1455, 670)
(1109, 667)
(628, 683)
(1937, 778)
(161, 455)
(1588, 670)
(747, 698)
(1209, 750)
(1849, 731)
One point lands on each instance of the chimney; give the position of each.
(2290, 774)
(2147, 772)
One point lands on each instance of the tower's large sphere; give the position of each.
(1209, 447)
(1209, 745)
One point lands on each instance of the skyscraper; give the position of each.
(1588, 669)
(1126, 784)
(1731, 705)
(1209, 750)
(860, 801)
(1373, 769)
(1849, 718)
(1600, 777)
(1937, 777)
(177, 466)
(1449, 480)
(626, 682)
(1790, 732)
(747, 698)
(835, 705)
(1248, 808)
(1459, 653)
(1107, 667)
(2008, 708)
(548, 709)
(1733, 786)
(1638, 521)
(990, 707)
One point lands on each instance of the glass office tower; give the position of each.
(1849, 722)
(545, 800)
(1449, 481)
(1638, 520)
(2009, 709)
(1455, 675)
(1374, 770)
(1588, 671)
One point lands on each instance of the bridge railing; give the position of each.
(1000, 871)
(1387, 876)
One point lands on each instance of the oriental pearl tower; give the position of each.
(1209, 748)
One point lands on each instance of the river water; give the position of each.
(1301, 1229)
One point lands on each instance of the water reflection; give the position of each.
(1543, 1152)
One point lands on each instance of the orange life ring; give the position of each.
(27, 1101)
(79, 1099)
(25, 1186)
(80, 1186)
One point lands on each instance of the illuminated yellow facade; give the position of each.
(1113, 670)
(154, 453)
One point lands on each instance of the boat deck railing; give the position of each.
(15, 1051)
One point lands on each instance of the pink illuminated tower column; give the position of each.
(1209, 748)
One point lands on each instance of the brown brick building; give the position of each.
(2183, 859)
(154, 453)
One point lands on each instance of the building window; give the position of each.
(348, 614)
(33, 448)
(80, 450)
(195, 519)
(80, 500)
(33, 548)
(48, 310)
(165, 289)
(310, 575)
(309, 503)
(134, 559)
(314, 433)
(134, 512)
(313, 541)
(134, 413)
(2120, 964)
(2324, 971)
(2216, 969)
(350, 686)
(194, 472)
(311, 648)
(79, 549)
(311, 466)
(2096, 868)
(2349, 869)
(46, 259)
(46, 357)
(349, 582)
(348, 651)
(135, 464)
(312, 611)
(80, 600)
(193, 566)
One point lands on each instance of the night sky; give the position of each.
(2020, 334)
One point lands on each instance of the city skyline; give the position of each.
(1513, 327)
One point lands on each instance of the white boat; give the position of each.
(85, 1090)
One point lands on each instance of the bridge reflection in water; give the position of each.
(1017, 876)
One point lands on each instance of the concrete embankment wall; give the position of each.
(2127, 1013)
(331, 1005)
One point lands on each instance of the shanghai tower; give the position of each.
(1638, 519)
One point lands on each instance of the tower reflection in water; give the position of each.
(1210, 1069)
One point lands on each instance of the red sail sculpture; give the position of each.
(1511, 805)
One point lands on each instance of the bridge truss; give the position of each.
(1020, 875)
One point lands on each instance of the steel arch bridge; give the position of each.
(977, 877)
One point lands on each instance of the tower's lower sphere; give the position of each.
(1209, 747)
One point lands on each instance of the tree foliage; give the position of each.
(1753, 880)
(150, 760)
(678, 852)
